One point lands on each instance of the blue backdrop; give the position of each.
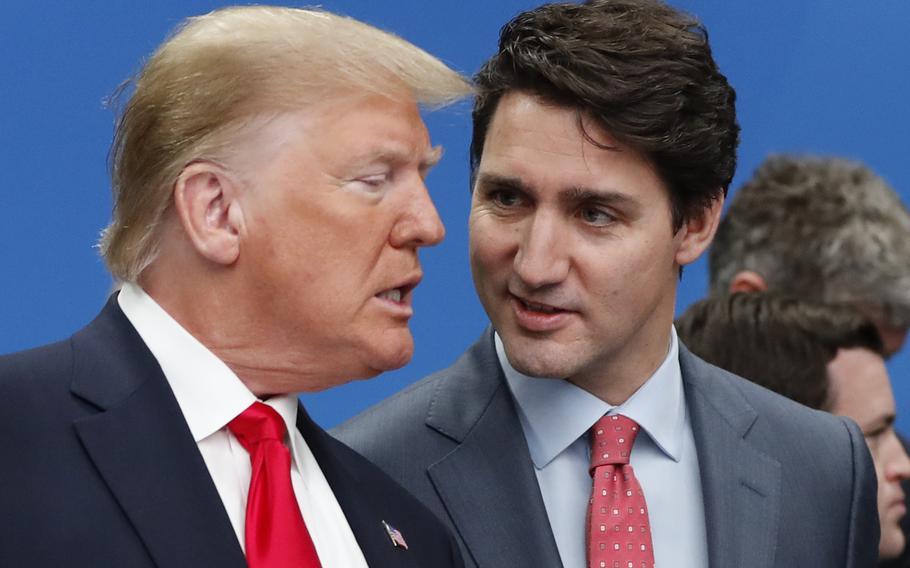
(819, 76)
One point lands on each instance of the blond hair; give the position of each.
(219, 71)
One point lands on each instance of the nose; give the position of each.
(418, 224)
(898, 468)
(542, 258)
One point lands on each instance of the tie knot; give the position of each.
(257, 423)
(611, 440)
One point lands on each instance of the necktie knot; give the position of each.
(256, 424)
(619, 533)
(612, 438)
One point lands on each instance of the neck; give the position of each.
(616, 382)
(619, 374)
(266, 364)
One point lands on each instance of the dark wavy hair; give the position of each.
(643, 71)
(781, 343)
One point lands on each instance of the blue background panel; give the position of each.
(816, 76)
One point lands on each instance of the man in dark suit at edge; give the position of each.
(826, 356)
(269, 205)
(604, 142)
(829, 230)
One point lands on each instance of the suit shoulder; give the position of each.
(33, 369)
(403, 410)
(782, 418)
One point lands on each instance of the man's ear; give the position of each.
(748, 281)
(207, 204)
(698, 231)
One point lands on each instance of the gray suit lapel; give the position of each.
(741, 486)
(487, 484)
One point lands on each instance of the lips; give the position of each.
(538, 316)
(398, 297)
(542, 308)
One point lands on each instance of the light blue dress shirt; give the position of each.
(556, 416)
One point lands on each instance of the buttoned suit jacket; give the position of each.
(100, 468)
(783, 485)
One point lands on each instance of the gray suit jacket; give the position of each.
(783, 485)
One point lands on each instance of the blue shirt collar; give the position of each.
(554, 412)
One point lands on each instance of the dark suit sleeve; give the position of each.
(863, 535)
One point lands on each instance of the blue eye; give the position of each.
(595, 216)
(505, 198)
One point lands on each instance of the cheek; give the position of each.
(487, 247)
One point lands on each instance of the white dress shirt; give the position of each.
(556, 416)
(210, 395)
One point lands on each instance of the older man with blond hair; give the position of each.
(269, 203)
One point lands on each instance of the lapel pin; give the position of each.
(395, 536)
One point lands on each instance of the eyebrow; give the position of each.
(496, 180)
(432, 158)
(400, 155)
(579, 194)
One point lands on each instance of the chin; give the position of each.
(892, 543)
(536, 365)
(393, 352)
(536, 358)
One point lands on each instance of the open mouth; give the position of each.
(540, 308)
(539, 317)
(394, 295)
(400, 295)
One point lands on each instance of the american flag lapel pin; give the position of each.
(395, 536)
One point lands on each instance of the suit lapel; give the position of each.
(355, 496)
(143, 449)
(740, 485)
(487, 484)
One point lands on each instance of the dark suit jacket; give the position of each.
(100, 469)
(783, 485)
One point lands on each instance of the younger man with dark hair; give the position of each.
(578, 431)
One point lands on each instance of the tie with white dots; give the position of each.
(619, 534)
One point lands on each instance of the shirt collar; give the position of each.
(554, 412)
(209, 394)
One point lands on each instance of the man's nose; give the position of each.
(542, 258)
(898, 468)
(419, 224)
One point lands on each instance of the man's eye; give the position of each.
(505, 198)
(595, 216)
(371, 183)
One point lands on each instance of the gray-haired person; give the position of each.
(822, 229)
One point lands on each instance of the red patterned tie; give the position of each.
(276, 536)
(619, 535)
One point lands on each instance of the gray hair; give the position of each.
(823, 229)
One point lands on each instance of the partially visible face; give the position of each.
(335, 216)
(862, 392)
(572, 247)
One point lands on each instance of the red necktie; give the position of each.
(276, 536)
(619, 534)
